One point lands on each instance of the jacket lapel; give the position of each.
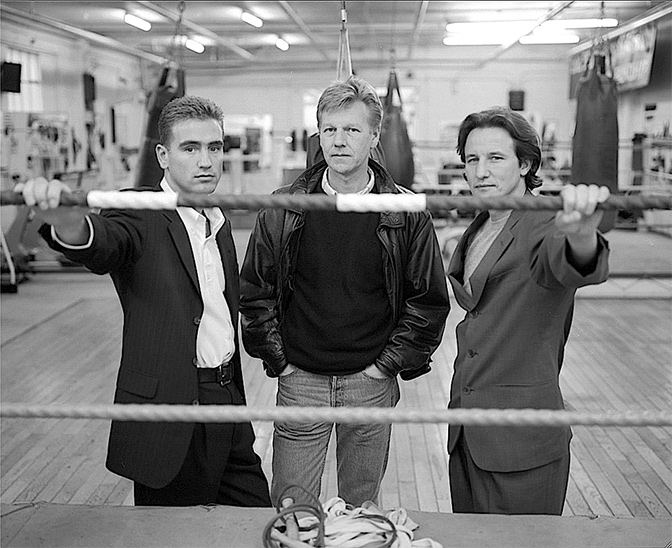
(227, 252)
(456, 265)
(180, 238)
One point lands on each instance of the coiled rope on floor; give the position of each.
(340, 202)
(351, 415)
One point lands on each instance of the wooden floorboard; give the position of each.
(61, 345)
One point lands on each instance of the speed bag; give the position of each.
(595, 142)
(397, 146)
(148, 172)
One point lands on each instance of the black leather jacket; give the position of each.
(412, 265)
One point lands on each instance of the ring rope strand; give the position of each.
(350, 415)
(341, 202)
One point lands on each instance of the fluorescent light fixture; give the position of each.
(472, 40)
(580, 23)
(193, 45)
(251, 19)
(548, 38)
(136, 22)
(516, 26)
(281, 44)
(503, 32)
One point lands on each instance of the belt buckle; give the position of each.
(225, 373)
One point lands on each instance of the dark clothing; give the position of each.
(540, 490)
(149, 258)
(415, 283)
(511, 342)
(338, 320)
(220, 467)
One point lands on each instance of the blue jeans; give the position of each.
(362, 450)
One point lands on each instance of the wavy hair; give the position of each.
(525, 138)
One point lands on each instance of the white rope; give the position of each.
(351, 415)
(131, 200)
(380, 202)
(348, 527)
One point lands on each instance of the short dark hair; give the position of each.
(525, 137)
(184, 108)
(343, 94)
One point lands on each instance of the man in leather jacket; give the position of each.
(336, 305)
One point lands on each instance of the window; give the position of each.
(30, 98)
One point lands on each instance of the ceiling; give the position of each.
(406, 33)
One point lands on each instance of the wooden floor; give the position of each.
(61, 345)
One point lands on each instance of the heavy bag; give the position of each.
(314, 152)
(595, 142)
(394, 138)
(148, 172)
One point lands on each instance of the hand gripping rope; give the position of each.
(340, 202)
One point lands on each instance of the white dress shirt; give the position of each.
(215, 338)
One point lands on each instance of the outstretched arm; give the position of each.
(579, 220)
(44, 197)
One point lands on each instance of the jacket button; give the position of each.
(197, 320)
(466, 390)
(471, 353)
(474, 313)
(195, 402)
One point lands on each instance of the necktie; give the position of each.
(208, 230)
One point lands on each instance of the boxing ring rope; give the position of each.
(340, 202)
(350, 415)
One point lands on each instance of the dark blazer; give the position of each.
(149, 257)
(512, 338)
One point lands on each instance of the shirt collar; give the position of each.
(214, 213)
(331, 191)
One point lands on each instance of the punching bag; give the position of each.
(394, 138)
(595, 142)
(148, 172)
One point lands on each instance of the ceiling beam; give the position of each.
(417, 27)
(21, 17)
(198, 28)
(289, 10)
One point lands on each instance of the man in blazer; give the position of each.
(176, 275)
(515, 273)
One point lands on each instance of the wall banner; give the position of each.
(631, 59)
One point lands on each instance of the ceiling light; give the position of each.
(251, 19)
(581, 23)
(136, 22)
(549, 38)
(473, 40)
(281, 44)
(516, 26)
(193, 45)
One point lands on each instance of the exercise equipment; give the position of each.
(148, 171)
(394, 137)
(595, 141)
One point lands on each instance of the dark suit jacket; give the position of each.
(511, 341)
(149, 257)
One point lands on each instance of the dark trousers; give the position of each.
(221, 466)
(540, 490)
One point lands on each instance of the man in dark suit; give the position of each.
(515, 273)
(176, 275)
